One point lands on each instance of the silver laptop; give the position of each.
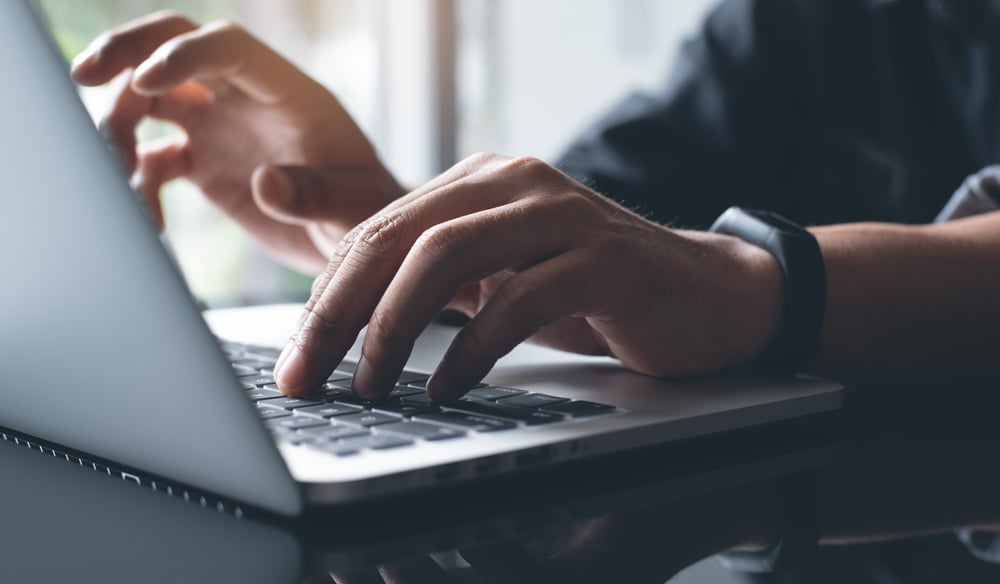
(104, 352)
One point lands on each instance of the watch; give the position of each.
(798, 540)
(803, 283)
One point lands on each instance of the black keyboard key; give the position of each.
(532, 400)
(331, 393)
(367, 419)
(421, 430)
(494, 393)
(418, 398)
(290, 403)
(296, 422)
(337, 447)
(265, 353)
(467, 421)
(259, 381)
(289, 436)
(495, 409)
(259, 394)
(328, 410)
(403, 409)
(335, 432)
(579, 409)
(354, 400)
(423, 384)
(267, 413)
(409, 377)
(244, 370)
(402, 391)
(255, 363)
(376, 442)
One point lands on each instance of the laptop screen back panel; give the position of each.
(101, 346)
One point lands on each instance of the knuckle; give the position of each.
(316, 327)
(516, 298)
(440, 241)
(480, 159)
(478, 162)
(530, 166)
(379, 235)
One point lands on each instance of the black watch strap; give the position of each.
(804, 283)
(798, 540)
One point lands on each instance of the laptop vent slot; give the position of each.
(128, 475)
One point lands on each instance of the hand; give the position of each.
(266, 144)
(530, 253)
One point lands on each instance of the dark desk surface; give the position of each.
(62, 522)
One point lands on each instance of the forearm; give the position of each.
(911, 302)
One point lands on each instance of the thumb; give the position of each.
(300, 194)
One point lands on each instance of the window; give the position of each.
(429, 81)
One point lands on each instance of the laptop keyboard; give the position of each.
(336, 421)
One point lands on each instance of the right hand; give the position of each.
(267, 144)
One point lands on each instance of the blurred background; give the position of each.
(430, 81)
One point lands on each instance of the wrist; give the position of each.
(751, 286)
(760, 292)
(803, 290)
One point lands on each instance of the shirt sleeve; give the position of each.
(980, 193)
(725, 129)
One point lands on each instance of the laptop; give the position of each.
(103, 351)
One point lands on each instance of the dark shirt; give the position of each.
(826, 111)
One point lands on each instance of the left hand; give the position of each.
(529, 253)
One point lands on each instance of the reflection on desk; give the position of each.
(64, 521)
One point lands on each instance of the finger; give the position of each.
(225, 51)
(561, 287)
(357, 275)
(302, 195)
(365, 261)
(126, 46)
(439, 263)
(128, 109)
(458, 173)
(159, 163)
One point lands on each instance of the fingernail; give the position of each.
(84, 58)
(143, 69)
(363, 384)
(289, 371)
(439, 386)
(283, 190)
